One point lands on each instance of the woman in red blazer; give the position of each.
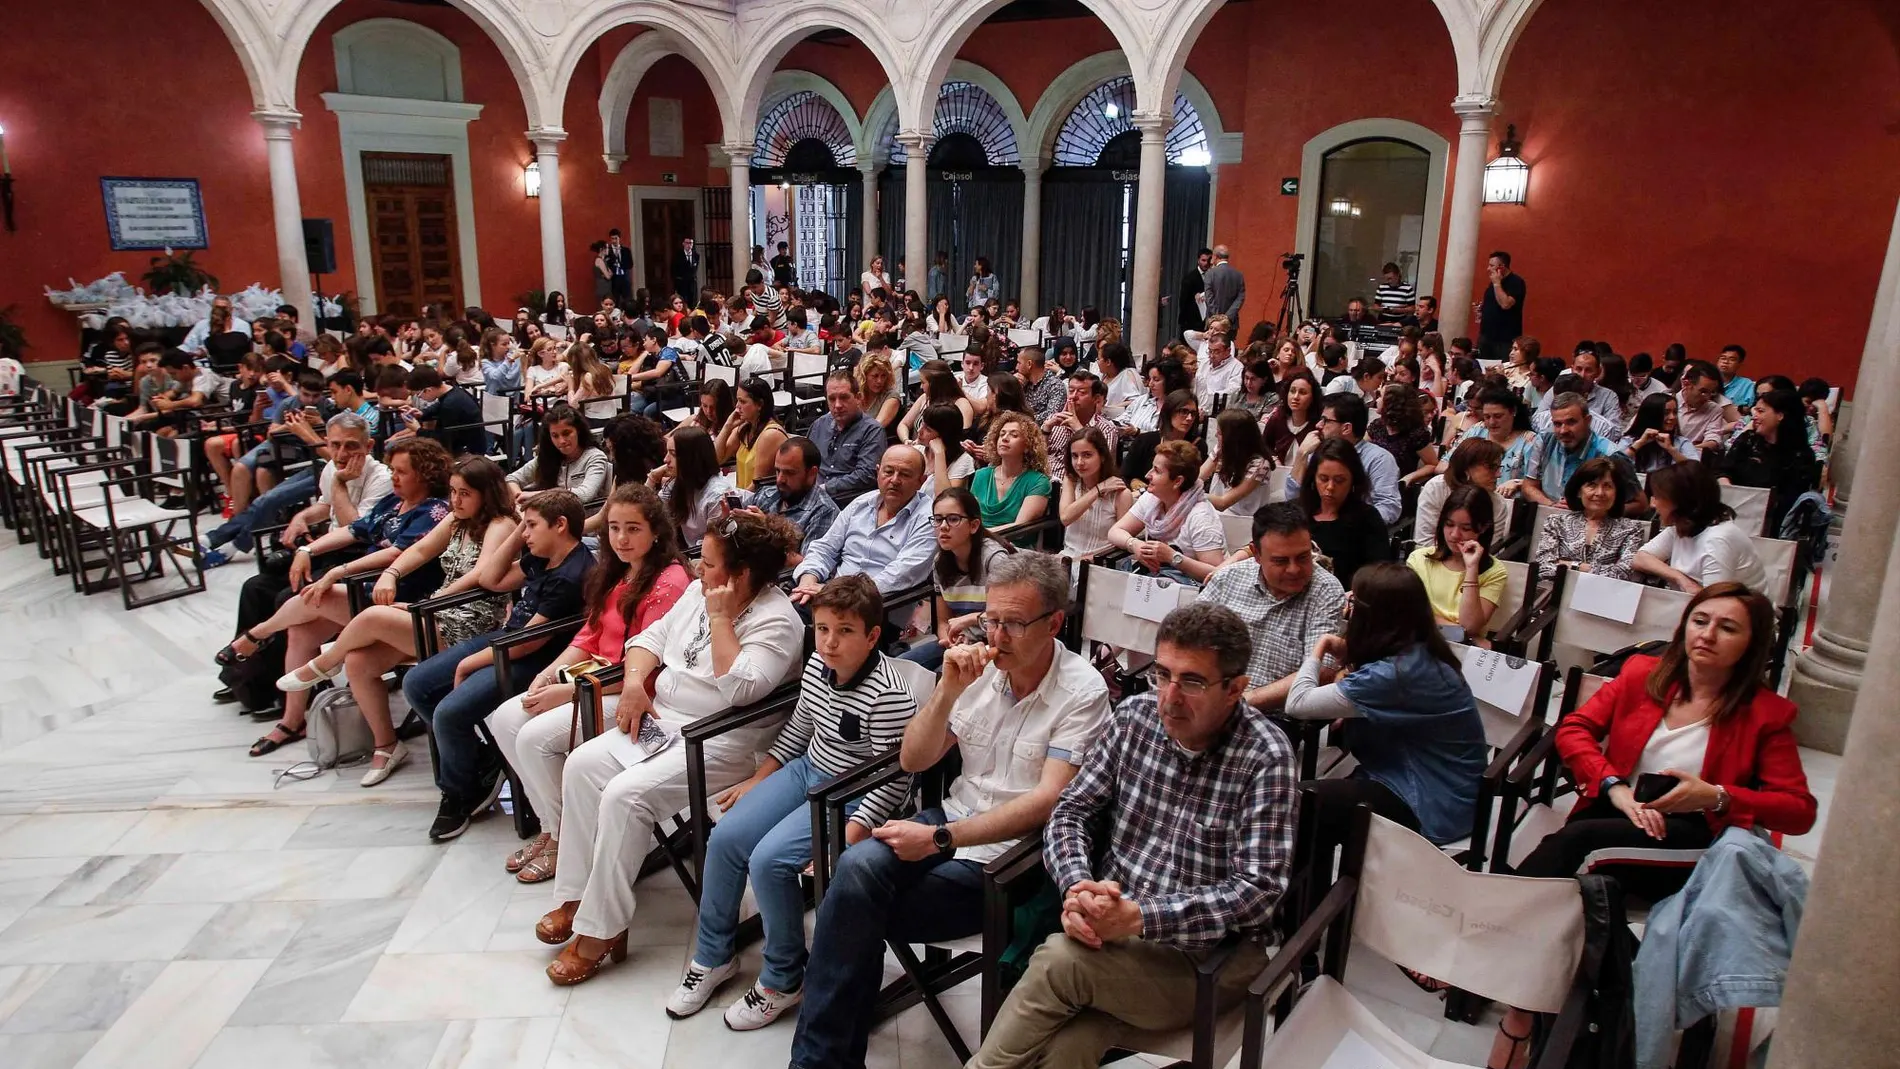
(1699, 713)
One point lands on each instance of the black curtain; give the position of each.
(1081, 244)
(940, 216)
(1183, 235)
(855, 258)
(989, 219)
(890, 224)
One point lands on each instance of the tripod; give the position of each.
(1292, 314)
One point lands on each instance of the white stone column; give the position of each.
(1837, 1003)
(293, 267)
(868, 170)
(917, 215)
(1150, 196)
(547, 152)
(739, 177)
(1029, 284)
(1828, 675)
(1467, 199)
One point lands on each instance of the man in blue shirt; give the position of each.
(1560, 451)
(794, 493)
(1738, 388)
(849, 442)
(888, 535)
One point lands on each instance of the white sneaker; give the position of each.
(697, 987)
(760, 1007)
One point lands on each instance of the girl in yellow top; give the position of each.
(1461, 579)
(751, 436)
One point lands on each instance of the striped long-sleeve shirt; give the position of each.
(844, 723)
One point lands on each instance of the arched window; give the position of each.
(800, 131)
(1372, 210)
(1104, 115)
(967, 110)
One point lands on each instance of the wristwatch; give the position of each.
(1722, 800)
(941, 837)
(1611, 781)
(1177, 558)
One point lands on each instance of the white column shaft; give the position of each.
(1029, 287)
(547, 153)
(869, 222)
(1461, 232)
(739, 177)
(917, 215)
(293, 267)
(1150, 196)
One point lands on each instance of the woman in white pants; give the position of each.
(730, 640)
(629, 589)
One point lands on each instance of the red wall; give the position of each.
(74, 126)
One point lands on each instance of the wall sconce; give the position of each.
(1341, 206)
(531, 178)
(6, 181)
(1507, 178)
(1355, 211)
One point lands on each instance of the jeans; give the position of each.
(927, 652)
(875, 895)
(768, 833)
(1168, 571)
(268, 508)
(466, 765)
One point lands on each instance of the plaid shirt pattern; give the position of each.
(1060, 434)
(1283, 629)
(1202, 842)
(1046, 396)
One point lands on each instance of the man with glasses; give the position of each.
(1176, 833)
(1285, 602)
(1022, 711)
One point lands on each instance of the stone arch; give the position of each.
(767, 40)
(1069, 87)
(623, 80)
(1313, 160)
(414, 40)
(942, 39)
(881, 119)
(253, 44)
(673, 29)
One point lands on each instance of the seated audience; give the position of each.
(1463, 582)
(1013, 487)
(544, 564)
(1115, 366)
(853, 705)
(1083, 410)
(878, 392)
(886, 535)
(382, 636)
(751, 435)
(1043, 387)
(1180, 421)
(1737, 388)
(731, 639)
(632, 584)
(1239, 476)
(849, 442)
(1773, 453)
(1705, 414)
(965, 552)
(1163, 377)
(418, 473)
(566, 457)
(947, 460)
(1699, 544)
(793, 493)
(1344, 417)
(1295, 417)
(1474, 462)
(448, 414)
(1336, 499)
(691, 483)
(1150, 881)
(1591, 534)
(1504, 420)
(1699, 716)
(1171, 529)
(1286, 601)
(1557, 453)
(1411, 721)
(1654, 438)
(1022, 711)
(1404, 430)
(1093, 499)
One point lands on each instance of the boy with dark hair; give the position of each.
(545, 565)
(441, 410)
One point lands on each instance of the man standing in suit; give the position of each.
(686, 272)
(1225, 288)
(1190, 294)
(619, 261)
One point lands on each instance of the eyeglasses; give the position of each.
(1013, 628)
(1192, 686)
(947, 521)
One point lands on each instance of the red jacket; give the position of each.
(1752, 754)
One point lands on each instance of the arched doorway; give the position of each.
(1088, 208)
(1373, 204)
(806, 191)
(975, 199)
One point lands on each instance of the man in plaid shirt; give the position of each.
(1192, 795)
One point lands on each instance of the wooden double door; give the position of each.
(664, 224)
(412, 229)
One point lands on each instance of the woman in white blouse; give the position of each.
(1114, 363)
(1095, 499)
(874, 277)
(1700, 544)
(690, 482)
(729, 641)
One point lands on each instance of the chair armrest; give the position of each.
(512, 639)
(858, 779)
(431, 606)
(711, 727)
(1016, 863)
(1306, 940)
(588, 692)
(1527, 765)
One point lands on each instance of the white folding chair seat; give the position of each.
(1236, 531)
(1751, 507)
(127, 511)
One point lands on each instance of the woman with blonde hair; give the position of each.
(591, 383)
(1014, 487)
(877, 389)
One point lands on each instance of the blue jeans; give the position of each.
(1169, 572)
(268, 508)
(875, 895)
(769, 835)
(466, 765)
(927, 652)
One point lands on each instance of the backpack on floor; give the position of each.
(337, 732)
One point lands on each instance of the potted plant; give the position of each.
(535, 301)
(12, 337)
(178, 273)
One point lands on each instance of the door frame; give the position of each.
(389, 124)
(461, 299)
(1438, 166)
(639, 194)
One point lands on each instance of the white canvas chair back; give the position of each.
(1105, 617)
(494, 407)
(1517, 579)
(1505, 688)
(1537, 527)
(918, 680)
(1509, 938)
(689, 366)
(1777, 559)
(1658, 611)
(1236, 530)
(952, 344)
(1750, 504)
(98, 423)
(1025, 338)
(808, 366)
(726, 374)
(1501, 523)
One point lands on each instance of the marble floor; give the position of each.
(169, 903)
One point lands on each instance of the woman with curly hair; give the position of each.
(1014, 487)
(1403, 430)
(878, 392)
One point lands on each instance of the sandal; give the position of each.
(528, 852)
(296, 679)
(271, 744)
(229, 654)
(540, 867)
(1424, 983)
(1510, 1057)
(557, 926)
(570, 968)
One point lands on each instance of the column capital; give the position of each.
(547, 139)
(915, 141)
(1033, 166)
(1154, 126)
(731, 152)
(613, 160)
(1470, 106)
(278, 122)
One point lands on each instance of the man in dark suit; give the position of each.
(619, 261)
(686, 272)
(1225, 287)
(1188, 295)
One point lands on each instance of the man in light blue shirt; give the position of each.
(887, 535)
(1737, 387)
(1559, 452)
(1344, 415)
(1609, 426)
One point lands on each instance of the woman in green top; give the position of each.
(1014, 487)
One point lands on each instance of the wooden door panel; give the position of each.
(656, 256)
(413, 233)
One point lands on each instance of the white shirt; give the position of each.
(975, 391)
(1200, 531)
(1344, 384)
(1721, 552)
(1003, 741)
(1212, 381)
(693, 531)
(1122, 389)
(1679, 748)
(771, 637)
(869, 281)
(367, 489)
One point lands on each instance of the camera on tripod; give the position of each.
(1290, 262)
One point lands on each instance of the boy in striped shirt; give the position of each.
(853, 704)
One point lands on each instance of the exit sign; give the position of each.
(671, 178)
(1289, 187)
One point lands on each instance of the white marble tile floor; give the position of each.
(168, 902)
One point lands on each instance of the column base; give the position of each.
(1824, 682)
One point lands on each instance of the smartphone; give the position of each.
(1651, 786)
(735, 500)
